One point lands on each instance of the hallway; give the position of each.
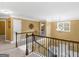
(5, 45)
(2, 39)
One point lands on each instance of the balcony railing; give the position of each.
(48, 46)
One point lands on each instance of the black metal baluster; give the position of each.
(26, 45)
(41, 44)
(47, 47)
(35, 45)
(38, 44)
(48, 52)
(39, 48)
(73, 49)
(59, 52)
(44, 52)
(53, 47)
(69, 49)
(65, 49)
(77, 50)
(50, 43)
(32, 43)
(58, 48)
(41, 41)
(33, 38)
(61, 48)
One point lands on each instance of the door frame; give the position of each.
(44, 23)
(5, 26)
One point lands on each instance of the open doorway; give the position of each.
(42, 28)
(2, 31)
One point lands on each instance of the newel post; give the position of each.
(16, 40)
(33, 38)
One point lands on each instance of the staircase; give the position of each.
(35, 54)
(48, 46)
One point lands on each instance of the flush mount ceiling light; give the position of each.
(6, 11)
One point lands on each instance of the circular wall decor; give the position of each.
(31, 26)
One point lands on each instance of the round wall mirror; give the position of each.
(31, 26)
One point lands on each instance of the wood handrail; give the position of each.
(49, 37)
(57, 39)
(24, 32)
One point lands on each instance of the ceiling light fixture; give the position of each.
(5, 11)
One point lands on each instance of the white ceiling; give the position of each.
(42, 10)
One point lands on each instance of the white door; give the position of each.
(16, 28)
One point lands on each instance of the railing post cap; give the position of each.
(16, 32)
(32, 33)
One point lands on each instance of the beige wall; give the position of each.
(9, 28)
(2, 27)
(25, 26)
(48, 29)
(72, 35)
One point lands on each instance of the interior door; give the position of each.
(16, 28)
(2, 30)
